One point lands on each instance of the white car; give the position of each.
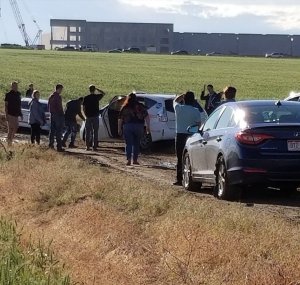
(274, 55)
(161, 113)
(25, 111)
(293, 96)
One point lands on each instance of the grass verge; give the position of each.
(127, 231)
(30, 265)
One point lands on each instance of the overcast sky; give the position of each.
(211, 16)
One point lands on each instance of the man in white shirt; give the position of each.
(186, 115)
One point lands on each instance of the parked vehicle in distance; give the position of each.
(67, 48)
(90, 48)
(116, 50)
(245, 144)
(161, 113)
(25, 112)
(132, 50)
(293, 97)
(214, 53)
(180, 52)
(275, 55)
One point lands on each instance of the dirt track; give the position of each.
(159, 166)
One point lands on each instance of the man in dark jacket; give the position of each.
(91, 111)
(57, 117)
(12, 111)
(212, 99)
(73, 108)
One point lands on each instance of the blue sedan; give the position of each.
(247, 143)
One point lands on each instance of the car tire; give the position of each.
(289, 189)
(222, 189)
(187, 180)
(146, 141)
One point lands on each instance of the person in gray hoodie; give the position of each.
(37, 117)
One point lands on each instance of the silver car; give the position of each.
(25, 112)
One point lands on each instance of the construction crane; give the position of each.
(21, 25)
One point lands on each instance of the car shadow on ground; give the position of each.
(264, 196)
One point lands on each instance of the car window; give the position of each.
(45, 107)
(169, 105)
(149, 103)
(212, 120)
(272, 114)
(25, 105)
(295, 99)
(226, 119)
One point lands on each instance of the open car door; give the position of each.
(110, 115)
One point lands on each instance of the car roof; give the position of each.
(253, 103)
(156, 95)
(43, 101)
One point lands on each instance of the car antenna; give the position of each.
(278, 103)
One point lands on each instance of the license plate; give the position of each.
(293, 145)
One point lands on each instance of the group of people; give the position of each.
(63, 122)
(133, 118)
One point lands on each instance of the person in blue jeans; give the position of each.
(131, 122)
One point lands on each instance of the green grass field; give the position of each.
(122, 73)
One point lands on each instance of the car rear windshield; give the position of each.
(272, 114)
(169, 105)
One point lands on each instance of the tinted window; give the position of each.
(169, 105)
(211, 121)
(25, 105)
(149, 103)
(226, 119)
(273, 113)
(45, 107)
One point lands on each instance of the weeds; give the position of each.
(33, 265)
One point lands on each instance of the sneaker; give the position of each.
(63, 144)
(136, 163)
(88, 148)
(51, 146)
(95, 148)
(60, 150)
(177, 183)
(128, 162)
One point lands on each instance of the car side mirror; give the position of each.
(193, 129)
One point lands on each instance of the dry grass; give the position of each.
(111, 228)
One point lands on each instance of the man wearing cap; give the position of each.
(12, 111)
(91, 111)
(185, 115)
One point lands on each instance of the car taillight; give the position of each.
(252, 138)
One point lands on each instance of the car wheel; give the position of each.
(222, 189)
(289, 189)
(146, 141)
(187, 180)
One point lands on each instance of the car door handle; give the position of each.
(204, 142)
(218, 139)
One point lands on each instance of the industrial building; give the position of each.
(106, 36)
(161, 38)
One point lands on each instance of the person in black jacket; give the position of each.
(91, 110)
(212, 99)
(73, 108)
